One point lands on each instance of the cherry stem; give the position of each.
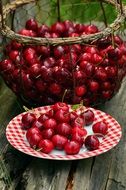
(64, 94)
(58, 9)
(104, 15)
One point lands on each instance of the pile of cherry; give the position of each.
(62, 128)
(43, 74)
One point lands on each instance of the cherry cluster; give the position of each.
(63, 129)
(83, 72)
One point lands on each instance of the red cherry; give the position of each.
(87, 67)
(47, 133)
(55, 35)
(96, 59)
(73, 34)
(88, 117)
(59, 141)
(26, 32)
(27, 120)
(46, 146)
(31, 24)
(43, 117)
(34, 140)
(92, 142)
(27, 81)
(60, 105)
(63, 129)
(72, 147)
(107, 94)
(101, 74)
(114, 54)
(93, 85)
(34, 70)
(49, 62)
(38, 124)
(67, 24)
(79, 28)
(46, 74)
(6, 66)
(81, 131)
(29, 54)
(16, 45)
(44, 51)
(100, 127)
(80, 77)
(55, 88)
(58, 27)
(42, 30)
(62, 116)
(106, 85)
(118, 40)
(40, 85)
(78, 122)
(91, 29)
(50, 124)
(78, 138)
(14, 55)
(91, 49)
(86, 57)
(73, 115)
(31, 131)
(111, 71)
(80, 90)
(59, 51)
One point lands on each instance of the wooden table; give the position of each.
(105, 172)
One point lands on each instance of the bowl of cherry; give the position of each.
(43, 75)
(60, 131)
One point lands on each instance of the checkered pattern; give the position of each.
(16, 137)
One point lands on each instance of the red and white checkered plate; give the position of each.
(16, 137)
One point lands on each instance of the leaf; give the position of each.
(75, 106)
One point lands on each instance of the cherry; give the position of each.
(101, 74)
(46, 146)
(14, 55)
(31, 24)
(55, 35)
(38, 124)
(100, 127)
(73, 34)
(62, 75)
(60, 105)
(78, 138)
(87, 67)
(92, 142)
(80, 90)
(31, 131)
(91, 49)
(43, 117)
(42, 29)
(67, 24)
(111, 71)
(26, 81)
(62, 116)
(6, 66)
(91, 29)
(72, 147)
(46, 74)
(79, 28)
(114, 54)
(27, 120)
(34, 70)
(34, 140)
(50, 123)
(29, 54)
(49, 62)
(107, 94)
(86, 57)
(26, 32)
(78, 122)
(96, 59)
(93, 85)
(40, 85)
(55, 88)
(58, 27)
(59, 141)
(47, 133)
(88, 117)
(81, 131)
(73, 115)
(63, 129)
(16, 45)
(80, 77)
(106, 85)
(59, 51)
(44, 51)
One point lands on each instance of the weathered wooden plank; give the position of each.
(46, 175)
